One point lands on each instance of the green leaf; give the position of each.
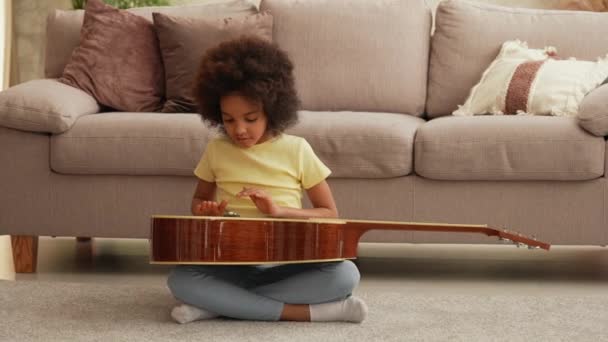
(79, 4)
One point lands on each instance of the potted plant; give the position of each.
(79, 4)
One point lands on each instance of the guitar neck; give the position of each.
(356, 228)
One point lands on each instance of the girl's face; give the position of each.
(244, 120)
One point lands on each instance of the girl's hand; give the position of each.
(210, 208)
(262, 200)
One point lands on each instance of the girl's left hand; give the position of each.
(262, 200)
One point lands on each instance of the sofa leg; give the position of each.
(83, 239)
(25, 253)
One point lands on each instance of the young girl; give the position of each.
(246, 88)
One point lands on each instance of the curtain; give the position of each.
(5, 42)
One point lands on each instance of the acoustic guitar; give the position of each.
(221, 240)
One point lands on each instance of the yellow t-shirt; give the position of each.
(282, 166)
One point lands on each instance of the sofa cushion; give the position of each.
(368, 145)
(63, 27)
(130, 144)
(507, 148)
(130, 77)
(183, 42)
(357, 55)
(457, 61)
(593, 112)
(44, 106)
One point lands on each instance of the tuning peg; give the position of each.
(518, 244)
(504, 240)
(533, 247)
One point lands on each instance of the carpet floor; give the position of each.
(57, 311)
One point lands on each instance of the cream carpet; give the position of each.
(56, 311)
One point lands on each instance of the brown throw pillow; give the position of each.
(184, 40)
(118, 60)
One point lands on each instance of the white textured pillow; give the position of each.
(534, 82)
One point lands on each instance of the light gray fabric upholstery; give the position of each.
(130, 144)
(44, 106)
(359, 144)
(367, 145)
(507, 148)
(356, 55)
(593, 112)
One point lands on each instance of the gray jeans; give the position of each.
(259, 292)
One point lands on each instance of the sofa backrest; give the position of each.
(468, 36)
(63, 27)
(356, 55)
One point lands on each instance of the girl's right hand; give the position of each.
(210, 208)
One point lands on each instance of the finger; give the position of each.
(245, 193)
(207, 207)
(249, 189)
(259, 194)
(223, 206)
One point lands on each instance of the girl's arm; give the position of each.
(320, 196)
(322, 201)
(203, 201)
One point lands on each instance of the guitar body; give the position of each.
(222, 240)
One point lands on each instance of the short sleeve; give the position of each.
(312, 170)
(204, 168)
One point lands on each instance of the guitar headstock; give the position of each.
(521, 240)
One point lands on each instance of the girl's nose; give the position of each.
(240, 129)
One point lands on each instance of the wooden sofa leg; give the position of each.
(25, 253)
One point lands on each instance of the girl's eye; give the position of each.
(252, 120)
(228, 120)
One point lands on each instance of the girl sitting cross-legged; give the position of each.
(246, 88)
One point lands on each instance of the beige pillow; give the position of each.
(533, 81)
(184, 40)
(118, 60)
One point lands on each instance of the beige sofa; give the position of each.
(377, 90)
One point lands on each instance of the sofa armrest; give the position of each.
(44, 105)
(593, 112)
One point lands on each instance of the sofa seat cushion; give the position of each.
(507, 148)
(353, 145)
(361, 144)
(130, 144)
